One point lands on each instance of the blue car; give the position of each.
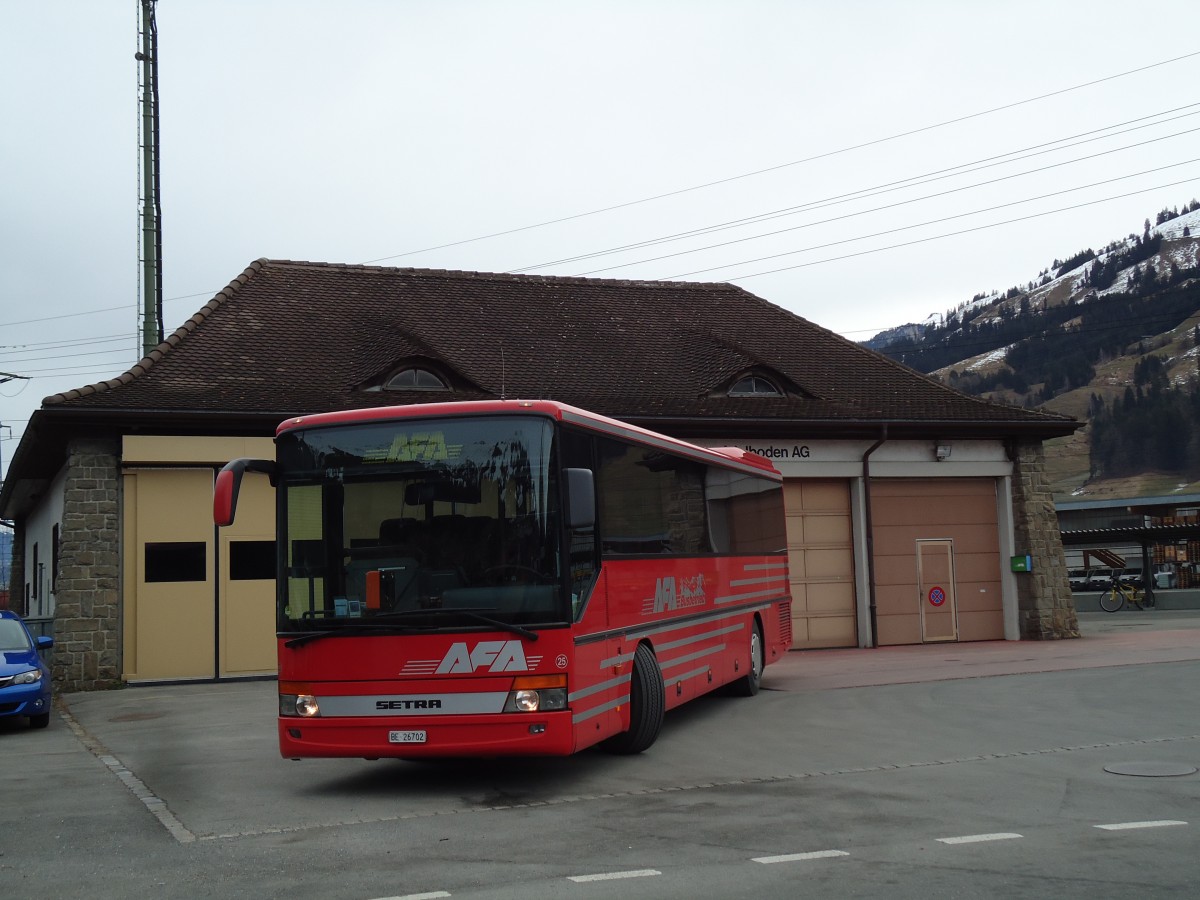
(24, 677)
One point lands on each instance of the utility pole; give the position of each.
(151, 209)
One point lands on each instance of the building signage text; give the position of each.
(771, 451)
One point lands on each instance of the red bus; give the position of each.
(500, 578)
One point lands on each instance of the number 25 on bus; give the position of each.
(511, 578)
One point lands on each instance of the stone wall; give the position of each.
(1046, 610)
(87, 619)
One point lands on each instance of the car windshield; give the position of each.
(420, 517)
(13, 635)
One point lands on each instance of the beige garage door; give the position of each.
(196, 606)
(953, 517)
(821, 559)
(169, 566)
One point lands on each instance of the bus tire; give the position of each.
(647, 705)
(748, 684)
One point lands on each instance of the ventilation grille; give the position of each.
(785, 621)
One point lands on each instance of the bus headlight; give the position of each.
(304, 705)
(537, 693)
(526, 701)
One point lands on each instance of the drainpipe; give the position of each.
(866, 465)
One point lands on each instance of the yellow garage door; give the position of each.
(246, 623)
(169, 566)
(916, 520)
(198, 605)
(821, 559)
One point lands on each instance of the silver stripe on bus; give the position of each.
(689, 621)
(599, 686)
(407, 704)
(616, 660)
(680, 660)
(597, 710)
(716, 632)
(767, 580)
(675, 679)
(759, 566)
(774, 592)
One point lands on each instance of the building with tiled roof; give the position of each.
(881, 463)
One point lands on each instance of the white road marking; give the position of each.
(980, 838)
(432, 895)
(1126, 826)
(610, 876)
(797, 857)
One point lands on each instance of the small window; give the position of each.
(176, 561)
(251, 560)
(754, 386)
(415, 380)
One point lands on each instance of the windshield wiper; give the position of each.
(357, 629)
(475, 613)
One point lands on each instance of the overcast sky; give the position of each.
(374, 130)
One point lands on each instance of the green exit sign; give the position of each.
(1022, 563)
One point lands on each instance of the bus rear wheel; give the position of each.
(748, 684)
(647, 705)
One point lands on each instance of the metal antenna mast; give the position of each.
(151, 209)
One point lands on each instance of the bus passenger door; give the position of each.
(597, 672)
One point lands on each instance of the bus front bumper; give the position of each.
(425, 737)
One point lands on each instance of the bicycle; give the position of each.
(1118, 594)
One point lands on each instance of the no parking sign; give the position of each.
(937, 596)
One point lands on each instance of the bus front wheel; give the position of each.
(647, 704)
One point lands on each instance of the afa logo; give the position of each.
(672, 593)
(495, 656)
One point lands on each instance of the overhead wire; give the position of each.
(889, 187)
(915, 200)
(796, 162)
(913, 242)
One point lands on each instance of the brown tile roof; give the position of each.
(299, 337)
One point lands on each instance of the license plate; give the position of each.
(406, 737)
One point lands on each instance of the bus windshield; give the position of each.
(421, 524)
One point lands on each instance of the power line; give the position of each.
(65, 345)
(74, 355)
(916, 200)
(937, 237)
(796, 162)
(901, 184)
(105, 309)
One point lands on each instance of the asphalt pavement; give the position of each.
(153, 789)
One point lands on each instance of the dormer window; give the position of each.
(754, 386)
(415, 379)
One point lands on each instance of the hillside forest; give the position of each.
(1111, 337)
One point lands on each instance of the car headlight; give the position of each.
(33, 676)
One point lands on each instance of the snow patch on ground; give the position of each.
(989, 358)
(1173, 230)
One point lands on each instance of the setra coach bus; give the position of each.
(496, 578)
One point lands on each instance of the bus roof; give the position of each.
(727, 457)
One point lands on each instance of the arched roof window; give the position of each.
(754, 386)
(414, 379)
